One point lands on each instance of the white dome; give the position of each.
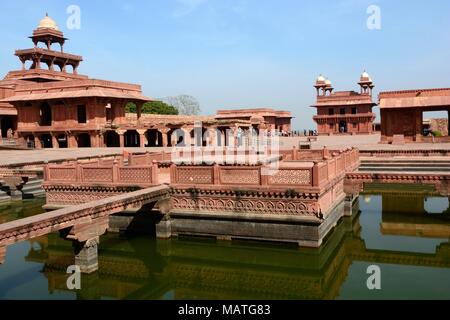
(328, 82)
(48, 23)
(365, 75)
(321, 78)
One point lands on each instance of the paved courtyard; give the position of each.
(364, 142)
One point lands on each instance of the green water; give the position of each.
(406, 235)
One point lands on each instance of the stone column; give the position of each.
(37, 142)
(55, 143)
(143, 138)
(86, 254)
(93, 137)
(71, 141)
(86, 238)
(187, 137)
(121, 134)
(164, 137)
(164, 227)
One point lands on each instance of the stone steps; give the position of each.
(432, 166)
(33, 189)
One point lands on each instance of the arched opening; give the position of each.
(84, 140)
(132, 139)
(45, 115)
(7, 124)
(179, 137)
(46, 141)
(62, 141)
(112, 139)
(154, 138)
(343, 126)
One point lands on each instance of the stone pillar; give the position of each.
(187, 137)
(143, 138)
(37, 142)
(55, 143)
(71, 141)
(164, 227)
(86, 254)
(94, 139)
(164, 137)
(86, 238)
(121, 138)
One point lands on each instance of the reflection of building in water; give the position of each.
(138, 269)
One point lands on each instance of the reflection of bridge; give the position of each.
(195, 269)
(82, 224)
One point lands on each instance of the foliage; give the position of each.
(153, 107)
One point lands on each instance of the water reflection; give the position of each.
(393, 231)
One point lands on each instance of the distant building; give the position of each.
(279, 121)
(344, 112)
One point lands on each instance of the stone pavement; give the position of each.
(364, 142)
(15, 157)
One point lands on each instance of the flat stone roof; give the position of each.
(417, 98)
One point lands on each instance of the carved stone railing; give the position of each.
(93, 174)
(288, 173)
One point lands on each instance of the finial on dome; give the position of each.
(48, 23)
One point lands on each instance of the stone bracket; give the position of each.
(89, 230)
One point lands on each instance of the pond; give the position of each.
(405, 234)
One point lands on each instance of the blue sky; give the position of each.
(245, 53)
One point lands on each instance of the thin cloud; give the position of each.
(186, 7)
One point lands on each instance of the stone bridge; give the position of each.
(82, 224)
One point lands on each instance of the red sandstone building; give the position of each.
(344, 112)
(49, 105)
(402, 114)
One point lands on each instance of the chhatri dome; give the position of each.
(321, 78)
(48, 23)
(365, 75)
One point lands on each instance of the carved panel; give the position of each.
(291, 177)
(135, 175)
(97, 175)
(76, 197)
(249, 205)
(62, 174)
(195, 175)
(236, 176)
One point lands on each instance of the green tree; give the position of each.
(159, 107)
(130, 108)
(152, 107)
